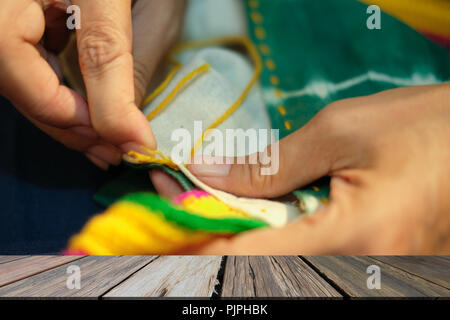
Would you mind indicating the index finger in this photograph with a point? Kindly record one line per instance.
(106, 61)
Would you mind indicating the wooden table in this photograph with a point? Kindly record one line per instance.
(215, 276)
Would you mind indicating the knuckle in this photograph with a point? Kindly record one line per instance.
(259, 184)
(99, 46)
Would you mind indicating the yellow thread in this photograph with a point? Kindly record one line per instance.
(274, 80)
(264, 49)
(258, 69)
(152, 156)
(260, 33)
(203, 68)
(163, 85)
(270, 64)
(281, 110)
(193, 45)
(316, 189)
(257, 17)
(254, 4)
(287, 124)
(278, 93)
(324, 201)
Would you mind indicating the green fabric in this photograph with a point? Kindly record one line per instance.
(327, 42)
(192, 221)
(134, 178)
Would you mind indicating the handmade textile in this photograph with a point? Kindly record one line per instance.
(430, 17)
(313, 58)
(144, 223)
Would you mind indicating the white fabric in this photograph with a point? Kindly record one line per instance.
(207, 97)
(210, 94)
(214, 18)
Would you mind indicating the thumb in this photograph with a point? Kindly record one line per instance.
(296, 160)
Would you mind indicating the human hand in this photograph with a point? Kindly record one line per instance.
(388, 158)
(115, 71)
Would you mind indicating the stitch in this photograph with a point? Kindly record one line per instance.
(203, 68)
(274, 80)
(264, 49)
(278, 93)
(164, 84)
(193, 45)
(324, 200)
(260, 33)
(287, 124)
(153, 156)
(270, 64)
(282, 110)
(257, 17)
(316, 189)
(254, 4)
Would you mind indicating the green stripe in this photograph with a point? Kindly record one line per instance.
(190, 220)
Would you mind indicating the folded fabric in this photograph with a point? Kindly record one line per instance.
(334, 56)
(144, 223)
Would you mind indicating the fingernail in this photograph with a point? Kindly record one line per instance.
(105, 153)
(210, 170)
(98, 162)
(84, 131)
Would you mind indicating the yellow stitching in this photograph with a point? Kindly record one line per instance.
(287, 124)
(153, 156)
(258, 69)
(253, 4)
(257, 17)
(203, 68)
(141, 158)
(270, 64)
(278, 93)
(163, 85)
(264, 49)
(282, 110)
(274, 80)
(260, 33)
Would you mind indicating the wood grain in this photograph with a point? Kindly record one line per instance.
(26, 267)
(97, 274)
(4, 259)
(273, 276)
(433, 269)
(172, 276)
(349, 273)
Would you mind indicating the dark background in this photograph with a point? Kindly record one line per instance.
(45, 189)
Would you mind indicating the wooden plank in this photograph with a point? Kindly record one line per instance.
(97, 276)
(5, 259)
(350, 274)
(172, 276)
(19, 269)
(433, 269)
(273, 276)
